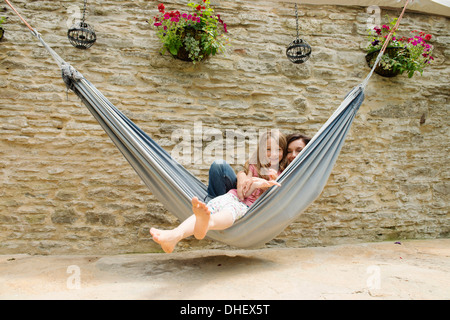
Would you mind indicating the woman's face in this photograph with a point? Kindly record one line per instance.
(294, 148)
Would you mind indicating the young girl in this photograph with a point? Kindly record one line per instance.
(221, 212)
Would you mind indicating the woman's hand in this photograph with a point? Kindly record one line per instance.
(259, 183)
(246, 184)
(273, 174)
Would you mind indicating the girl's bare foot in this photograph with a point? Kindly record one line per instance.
(202, 216)
(168, 239)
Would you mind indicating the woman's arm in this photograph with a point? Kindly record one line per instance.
(244, 181)
(259, 183)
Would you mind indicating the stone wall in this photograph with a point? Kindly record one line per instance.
(65, 188)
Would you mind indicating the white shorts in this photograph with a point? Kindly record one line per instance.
(228, 202)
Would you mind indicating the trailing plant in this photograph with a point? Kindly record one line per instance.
(416, 53)
(195, 34)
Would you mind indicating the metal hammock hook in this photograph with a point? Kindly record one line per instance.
(81, 35)
(298, 50)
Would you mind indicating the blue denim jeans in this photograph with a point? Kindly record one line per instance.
(221, 179)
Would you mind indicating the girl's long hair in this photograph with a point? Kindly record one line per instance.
(259, 157)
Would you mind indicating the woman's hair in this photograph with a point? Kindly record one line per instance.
(258, 158)
(296, 136)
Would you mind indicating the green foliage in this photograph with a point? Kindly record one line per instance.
(416, 53)
(200, 32)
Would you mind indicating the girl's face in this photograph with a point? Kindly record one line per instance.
(294, 148)
(274, 152)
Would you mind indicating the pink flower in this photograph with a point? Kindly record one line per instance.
(385, 27)
(157, 24)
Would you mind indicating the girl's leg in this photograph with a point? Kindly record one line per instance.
(198, 225)
(168, 239)
(204, 221)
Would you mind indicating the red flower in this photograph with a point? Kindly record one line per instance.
(428, 37)
(199, 7)
(161, 7)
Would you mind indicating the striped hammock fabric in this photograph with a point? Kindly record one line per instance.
(174, 186)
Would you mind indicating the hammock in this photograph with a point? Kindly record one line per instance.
(174, 186)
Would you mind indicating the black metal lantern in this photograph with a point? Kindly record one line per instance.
(81, 35)
(298, 50)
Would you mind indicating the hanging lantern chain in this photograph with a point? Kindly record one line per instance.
(296, 20)
(84, 10)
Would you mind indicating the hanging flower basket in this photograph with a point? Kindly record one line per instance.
(383, 69)
(405, 54)
(191, 36)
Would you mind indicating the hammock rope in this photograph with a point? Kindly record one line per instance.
(174, 186)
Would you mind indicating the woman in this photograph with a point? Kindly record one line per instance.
(222, 177)
(295, 144)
